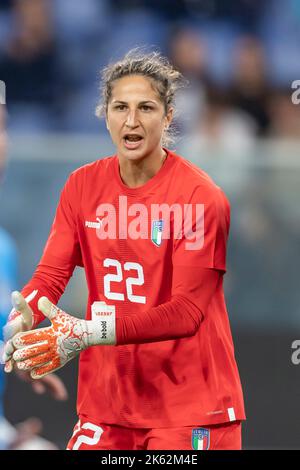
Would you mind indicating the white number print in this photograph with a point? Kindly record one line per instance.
(108, 278)
(91, 441)
(135, 281)
(118, 277)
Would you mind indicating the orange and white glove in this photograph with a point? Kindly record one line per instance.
(19, 319)
(45, 350)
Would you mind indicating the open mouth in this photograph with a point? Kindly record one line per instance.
(132, 141)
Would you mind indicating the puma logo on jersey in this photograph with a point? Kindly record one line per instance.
(96, 225)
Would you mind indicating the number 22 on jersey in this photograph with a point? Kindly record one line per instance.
(118, 276)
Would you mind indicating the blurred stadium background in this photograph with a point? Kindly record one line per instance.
(236, 120)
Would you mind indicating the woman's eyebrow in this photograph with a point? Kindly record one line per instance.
(141, 102)
(119, 101)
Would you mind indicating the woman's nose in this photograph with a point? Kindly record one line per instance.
(131, 119)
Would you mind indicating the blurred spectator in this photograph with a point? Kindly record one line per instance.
(285, 116)
(250, 90)
(244, 13)
(187, 52)
(27, 62)
(222, 127)
(222, 143)
(51, 51)
(3, 141)
(178, 9)
(280, 32)
(83, 34)
(25, 434)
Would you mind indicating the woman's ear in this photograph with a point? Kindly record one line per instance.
(169, 117)
(106, 119)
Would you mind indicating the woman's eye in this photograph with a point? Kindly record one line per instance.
(120, 107)
(146, 108)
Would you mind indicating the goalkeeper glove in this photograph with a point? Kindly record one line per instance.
(20, 319)
(45, 350)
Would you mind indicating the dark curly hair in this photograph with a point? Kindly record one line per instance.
(152, 65)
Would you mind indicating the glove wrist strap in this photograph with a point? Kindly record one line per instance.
(102, 327)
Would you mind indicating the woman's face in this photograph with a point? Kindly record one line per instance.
(136, 117)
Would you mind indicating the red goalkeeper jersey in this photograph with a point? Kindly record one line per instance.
(158, 254)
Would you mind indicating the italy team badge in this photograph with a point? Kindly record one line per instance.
(200, 439)
(156, 232)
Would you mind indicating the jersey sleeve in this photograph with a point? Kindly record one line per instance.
(61, 254)
(179, 318)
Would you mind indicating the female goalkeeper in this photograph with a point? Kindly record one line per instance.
(157, 366)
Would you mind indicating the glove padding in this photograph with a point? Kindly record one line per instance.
(45, 350)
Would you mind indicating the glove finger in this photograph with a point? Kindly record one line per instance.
(7, 358)
(20, 304)
(37, 361)
(30, 351)
(46, 369)
(13, 327)
(8, 351)
(48, 308)
(9, 365)
(30, 337)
